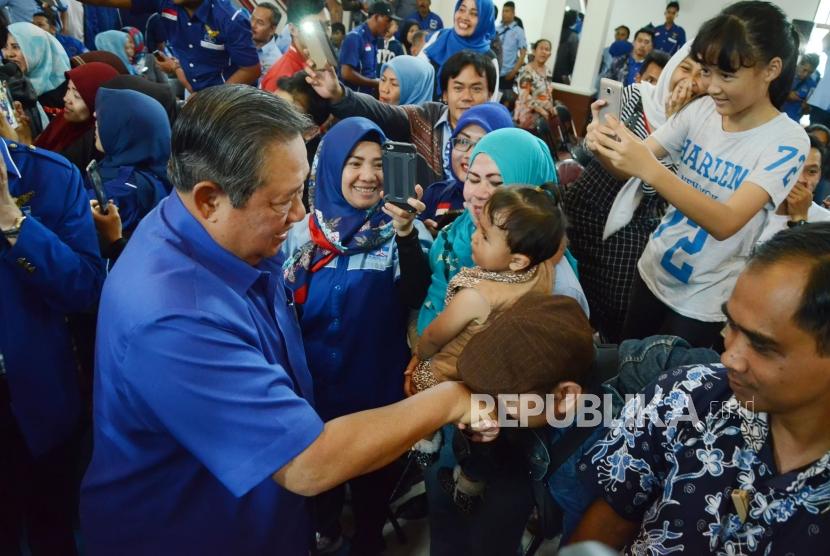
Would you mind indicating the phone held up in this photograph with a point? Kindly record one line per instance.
(399, 171)
(317, 42)
(97, 186)
(611, 92)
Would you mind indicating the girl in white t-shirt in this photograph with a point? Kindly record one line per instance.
(737, 156)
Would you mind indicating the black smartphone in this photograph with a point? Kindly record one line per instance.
(159, 55)
(399, 168)
(97, 186)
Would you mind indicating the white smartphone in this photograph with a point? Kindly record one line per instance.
(611, 92)
(317, 42)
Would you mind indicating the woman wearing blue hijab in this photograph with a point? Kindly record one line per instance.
(348, 263)
(133, 132)
(502, 158)
(444, 198)
(474, 26)
(406, 80)
(116, 42)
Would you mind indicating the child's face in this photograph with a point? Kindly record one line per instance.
(736, 92)
(490, 249)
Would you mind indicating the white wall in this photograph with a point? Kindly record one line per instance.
(633, 13)
(639, 13)
(543, 19)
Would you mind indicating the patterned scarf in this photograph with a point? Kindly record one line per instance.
(336, 227)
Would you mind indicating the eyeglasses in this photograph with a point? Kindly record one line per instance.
(462, 144)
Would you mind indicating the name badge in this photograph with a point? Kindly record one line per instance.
(211, 45)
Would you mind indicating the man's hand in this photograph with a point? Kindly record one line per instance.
(9, 212)
(798, 202)
(324, 82)
(402, 220)
(167, 64)
(108, 225)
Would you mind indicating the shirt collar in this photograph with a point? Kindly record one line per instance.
(203, 11)
(11, 167)
(443, 120)
(232, 270)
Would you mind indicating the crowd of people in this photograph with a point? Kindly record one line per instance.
(220, 334)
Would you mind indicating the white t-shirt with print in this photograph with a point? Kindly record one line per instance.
(686, 268)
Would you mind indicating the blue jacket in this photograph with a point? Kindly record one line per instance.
(53, 269)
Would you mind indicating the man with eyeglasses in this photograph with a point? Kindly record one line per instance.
(467, 79)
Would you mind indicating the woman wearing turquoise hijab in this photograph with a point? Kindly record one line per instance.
(118, 43)
(42, 60)
(503, 157)
(406, 80)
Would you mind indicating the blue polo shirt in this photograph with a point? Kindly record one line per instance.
(202, 392)
(432, 22)
(669, 40)
(211, 45)
(359, 50)
(53, 269)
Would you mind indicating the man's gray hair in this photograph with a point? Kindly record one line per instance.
(223, 136)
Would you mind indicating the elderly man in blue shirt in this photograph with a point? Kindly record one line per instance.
(49, 267)
(205, 436)
(513, 46)
(211, 39)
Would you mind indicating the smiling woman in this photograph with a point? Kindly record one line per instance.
(72, 134)
(350, 263)
(474, 26)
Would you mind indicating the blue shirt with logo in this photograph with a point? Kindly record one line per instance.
(211, 45)
(53, 269)
(359, 50)
(669, 40)
(432, 22)
(202, 392)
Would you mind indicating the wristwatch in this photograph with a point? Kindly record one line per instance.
(795, 223)
(14, 231)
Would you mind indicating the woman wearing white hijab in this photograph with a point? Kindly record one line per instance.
(611, 220)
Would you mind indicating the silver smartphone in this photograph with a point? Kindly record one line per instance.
(317, 42)
(611, 92)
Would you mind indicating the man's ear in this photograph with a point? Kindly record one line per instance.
(207, 199)
(565, 395)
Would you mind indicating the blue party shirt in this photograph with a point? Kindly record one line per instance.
(202, 393)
